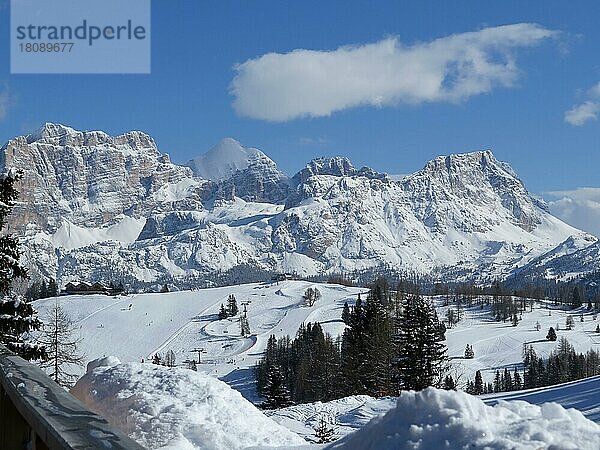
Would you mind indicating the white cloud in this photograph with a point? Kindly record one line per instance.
(578, 115)
(310, 83)
(579, 207)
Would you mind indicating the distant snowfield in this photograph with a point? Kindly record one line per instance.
(187, 320)
(70, 236)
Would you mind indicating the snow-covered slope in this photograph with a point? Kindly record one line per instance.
(581, 395)
(177, 409)
(86, 195)
(182, 321)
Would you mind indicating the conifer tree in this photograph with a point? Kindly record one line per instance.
(570, 323)
(507, 381)
(449, 383)
(232, 307)
(421, 353)
(497, 382)
(469, 354)
(244, 326)
(222, 312)
(17, 318)
(478, 385)
(517, 383)
(277, 394)
(324, 433)
(551, 336)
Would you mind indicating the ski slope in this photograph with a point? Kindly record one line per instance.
(135, 327)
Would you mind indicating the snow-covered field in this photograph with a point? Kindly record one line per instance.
(180, 409)
(177, 409)
(498, 345)
(351, 413)
(135, 327)
(437, 419)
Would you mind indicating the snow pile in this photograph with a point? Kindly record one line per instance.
(176, 408)
(436, 419)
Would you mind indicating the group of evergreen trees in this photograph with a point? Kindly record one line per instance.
(392, 341)
(503, 382)
(41, 289)
(305, 369)
(563, 364)
(167, 360)
(231, 310)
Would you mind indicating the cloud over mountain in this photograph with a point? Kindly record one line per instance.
(315, 83)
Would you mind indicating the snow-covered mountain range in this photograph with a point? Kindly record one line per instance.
(97, 207)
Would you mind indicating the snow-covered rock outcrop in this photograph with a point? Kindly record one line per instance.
(174, 408)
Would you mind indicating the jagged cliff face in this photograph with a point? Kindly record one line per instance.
(90, 178)
(107, 208)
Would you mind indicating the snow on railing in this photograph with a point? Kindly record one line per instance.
(37, 413)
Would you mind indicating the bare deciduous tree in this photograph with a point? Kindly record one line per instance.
(58, 336)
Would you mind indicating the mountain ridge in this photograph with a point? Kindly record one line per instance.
(463, 213)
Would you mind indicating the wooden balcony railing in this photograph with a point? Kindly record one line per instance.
(37, 414)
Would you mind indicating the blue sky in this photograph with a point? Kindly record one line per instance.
(517, 109)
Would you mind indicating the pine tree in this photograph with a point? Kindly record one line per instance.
(53, 290)
(469, 354)
(551, 336)
(570, 323)
(324, 433)
(156, 359)
(346, 314)
(497, 382)
(232, 307)
(277, 394)
(170, 359)
(517, 383)
(507, 381)
(478, 385)
(58, 337)
(17, 318)
(421, 353)
(222, 312)
(449, 383)
(575, 298)
(244, 326)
